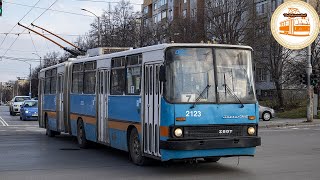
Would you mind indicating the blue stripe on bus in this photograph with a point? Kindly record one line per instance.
(180, 154)
(49, 102)
(204, 114)
(52, 122)
(125, 108)
(83, 104)
(118, 139)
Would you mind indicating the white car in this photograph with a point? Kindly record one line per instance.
(15, 103)
(266, 113)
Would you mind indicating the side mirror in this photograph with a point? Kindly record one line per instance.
(162, 74)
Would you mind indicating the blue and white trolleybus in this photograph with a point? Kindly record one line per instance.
(166, 102)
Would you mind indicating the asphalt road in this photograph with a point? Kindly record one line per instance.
(26, 153)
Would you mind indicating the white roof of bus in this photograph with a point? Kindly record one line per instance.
(145, 49)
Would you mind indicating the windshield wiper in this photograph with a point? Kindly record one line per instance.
(233, 94)
(200, 96)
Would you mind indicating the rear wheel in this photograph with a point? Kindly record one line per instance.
(81, 135)
(135, 149)
(212, 159)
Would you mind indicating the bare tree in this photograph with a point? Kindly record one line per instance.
(226, 21)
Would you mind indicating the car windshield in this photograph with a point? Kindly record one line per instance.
(30, 104)
(190, 74)
(21, 99)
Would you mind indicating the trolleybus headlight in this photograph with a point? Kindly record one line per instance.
(251, 130)
(178, 132)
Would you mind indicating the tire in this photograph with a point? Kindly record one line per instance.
(135, 149)
(49, 132)
(21, 118)
(266, 116)
(212, 159)
(81, 135)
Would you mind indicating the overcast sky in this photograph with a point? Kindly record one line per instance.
(66, 24)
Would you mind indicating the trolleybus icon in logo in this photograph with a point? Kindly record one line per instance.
(295, 24)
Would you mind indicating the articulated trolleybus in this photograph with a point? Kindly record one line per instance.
(166, 102)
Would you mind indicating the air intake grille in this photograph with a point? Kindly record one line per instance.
(202, 132)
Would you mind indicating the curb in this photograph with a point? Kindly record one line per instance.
(288, 124)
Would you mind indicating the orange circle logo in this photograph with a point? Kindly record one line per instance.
(295, 24)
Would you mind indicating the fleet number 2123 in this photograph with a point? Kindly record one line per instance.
(193, 113)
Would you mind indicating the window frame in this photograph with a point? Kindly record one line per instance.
(116, 67)
(87, 71)
(78, 72)
(129, 65)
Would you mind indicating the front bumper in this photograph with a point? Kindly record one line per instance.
(16, 110)
(213, 143)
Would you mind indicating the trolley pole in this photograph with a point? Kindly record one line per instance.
(309, 88)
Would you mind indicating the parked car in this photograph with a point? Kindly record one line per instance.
(29, 110)
(14, 105)
(266, 113)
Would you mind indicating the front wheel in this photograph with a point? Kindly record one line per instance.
(135, 149)
(266, 116)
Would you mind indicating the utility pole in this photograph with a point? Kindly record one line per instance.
(39, 58)
(309, 88)
(30, 82)
(1, 92)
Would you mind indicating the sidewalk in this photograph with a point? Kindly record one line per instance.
(281, 122)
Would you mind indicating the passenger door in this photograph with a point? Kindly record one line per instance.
(103, 84)
(151, 120)
(59, 111)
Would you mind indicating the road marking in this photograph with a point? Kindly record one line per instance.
(4, 123)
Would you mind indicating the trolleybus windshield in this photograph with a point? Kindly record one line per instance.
(189, 71)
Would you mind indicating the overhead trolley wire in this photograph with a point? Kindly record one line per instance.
(37, 7)
(29, 25)
(101, 1)
(19, 21)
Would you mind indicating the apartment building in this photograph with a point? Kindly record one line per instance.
(156, 11)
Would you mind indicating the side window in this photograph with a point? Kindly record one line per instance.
(117, 76)
(47, 82)
(133, 80)
(77, 78)
(53, 82)
(89, 77)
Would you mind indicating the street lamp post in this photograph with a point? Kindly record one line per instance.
(30, 77)
(99, 33)
(39, 58)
